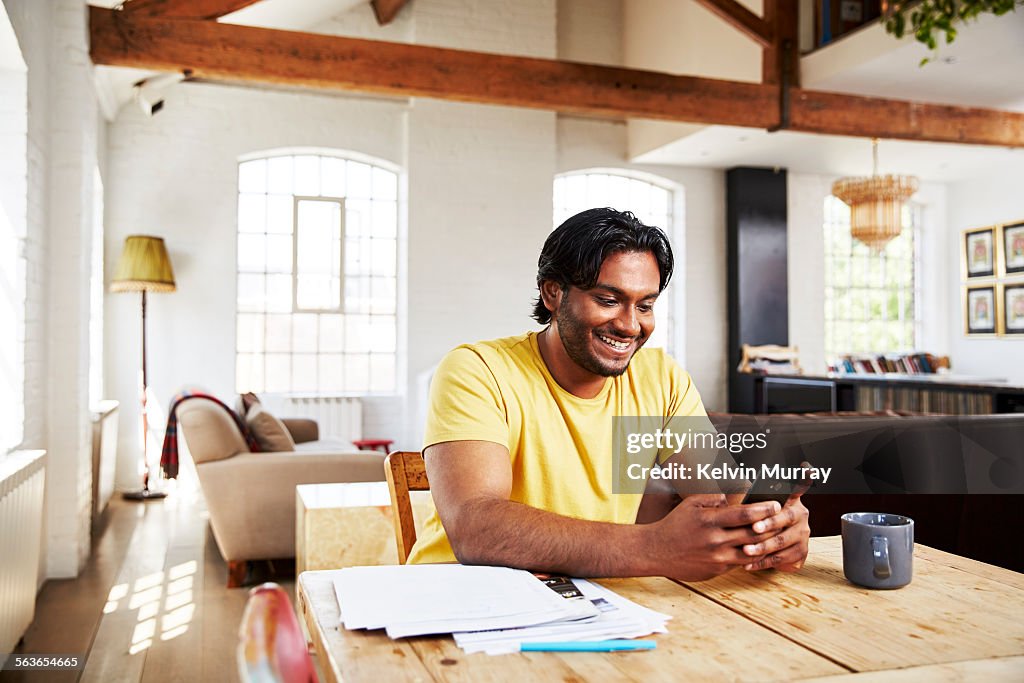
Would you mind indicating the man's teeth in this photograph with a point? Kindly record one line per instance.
(613, 343)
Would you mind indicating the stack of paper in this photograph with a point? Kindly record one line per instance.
(617, 618)
(489, 609)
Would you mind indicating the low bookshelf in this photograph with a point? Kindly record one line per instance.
(946, 394)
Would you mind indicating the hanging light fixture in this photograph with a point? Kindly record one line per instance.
(876, 203)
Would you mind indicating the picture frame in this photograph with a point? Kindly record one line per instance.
(1012, 248)
(979, 252)
(980, 314)
(1011, 320)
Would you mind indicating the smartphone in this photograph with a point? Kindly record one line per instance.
(763, 490)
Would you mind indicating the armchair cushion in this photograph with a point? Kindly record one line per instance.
(269, 431)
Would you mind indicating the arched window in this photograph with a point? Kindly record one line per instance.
(871, 300)
(653, 200)
(317, 274)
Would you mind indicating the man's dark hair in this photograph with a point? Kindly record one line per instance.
(573, 253)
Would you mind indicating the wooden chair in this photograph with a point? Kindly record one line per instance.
(405, 472)
(271, 646)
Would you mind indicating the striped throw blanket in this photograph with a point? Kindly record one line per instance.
(169, 456)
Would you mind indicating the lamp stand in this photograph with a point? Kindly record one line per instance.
(145, 493)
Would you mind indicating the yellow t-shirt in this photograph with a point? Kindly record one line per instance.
(560, 445)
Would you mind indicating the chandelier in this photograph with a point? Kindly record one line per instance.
(876, 203)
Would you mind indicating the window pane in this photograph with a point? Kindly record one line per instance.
(278, 372)
(279, 293)
(252, 176)
(307, 175)
(304, 333)
(251, 213)
(279, 175)
(383, 257)
(318, 262)
(332, 177)
(252, 253)
(250, 332)
(304, 373)
(385, 219)
(357, 333)
(357, 218)
(251, 292)
(385, 184)
(357, 295)
(382, 298)
(331, 372)
(382, 333)
(332, 333)
(358, 180)
(280, 214)
(249, 372)
(279, 333)
(279, 253)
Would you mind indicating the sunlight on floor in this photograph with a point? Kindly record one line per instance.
(178, 607)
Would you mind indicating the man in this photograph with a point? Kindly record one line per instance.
(519, 431)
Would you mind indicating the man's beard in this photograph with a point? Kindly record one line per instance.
(576, 338)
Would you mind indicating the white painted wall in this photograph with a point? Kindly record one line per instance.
(977, 203)
(62, 151)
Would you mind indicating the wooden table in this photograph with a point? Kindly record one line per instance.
(348, 524)
(958, 620)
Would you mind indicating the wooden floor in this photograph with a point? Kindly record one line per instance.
(151, 604)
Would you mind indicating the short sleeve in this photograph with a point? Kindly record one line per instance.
(685, 409)
(465, 402)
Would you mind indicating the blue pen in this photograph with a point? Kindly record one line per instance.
(591, 646)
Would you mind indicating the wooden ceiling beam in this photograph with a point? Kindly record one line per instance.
(385, 10)
(738, 16)
(245, 54)
(248, 55)
(186, 9)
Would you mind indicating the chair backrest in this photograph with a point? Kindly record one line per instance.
(405, 472)
(271, 646)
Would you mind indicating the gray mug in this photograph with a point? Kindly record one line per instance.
(878, 549)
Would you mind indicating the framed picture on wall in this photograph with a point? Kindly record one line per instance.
(1013, 308)
(979, 255)
(1013, 248)
(980, 310)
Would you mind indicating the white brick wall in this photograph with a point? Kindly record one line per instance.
(61, 154)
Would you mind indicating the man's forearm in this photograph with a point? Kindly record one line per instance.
(500, 532)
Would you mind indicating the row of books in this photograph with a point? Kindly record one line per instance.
(946, 402)
(904, 363)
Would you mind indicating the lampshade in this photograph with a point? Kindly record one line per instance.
(876, 204)
(143, 266)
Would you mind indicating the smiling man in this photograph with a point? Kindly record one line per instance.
(518, 444)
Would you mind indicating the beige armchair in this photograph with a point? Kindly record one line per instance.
(251, 496)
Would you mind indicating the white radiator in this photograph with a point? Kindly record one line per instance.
(339, 417)
(21, 526)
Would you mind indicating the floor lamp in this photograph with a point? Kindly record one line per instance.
(143, 267)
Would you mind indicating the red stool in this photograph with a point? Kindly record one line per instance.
(374, 444)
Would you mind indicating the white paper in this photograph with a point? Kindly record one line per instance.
(411, 600)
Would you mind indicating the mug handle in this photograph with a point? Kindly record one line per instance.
(880, 553)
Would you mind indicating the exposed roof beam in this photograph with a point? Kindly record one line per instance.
(385, 10)
(242, 54)
(186, 9)
(748, 23)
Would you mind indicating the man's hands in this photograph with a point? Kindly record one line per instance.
(786, 547)
(704, 536)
